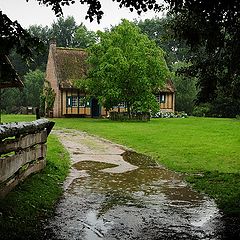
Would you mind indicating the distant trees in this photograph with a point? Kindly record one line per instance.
(186, 94)
(158, 29)
(67, 34)
(126, 67)
(13, 36)
(32, 91)
(13, 99)
(84, 38)
(63, 30)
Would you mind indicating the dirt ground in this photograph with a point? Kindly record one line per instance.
(115, 193)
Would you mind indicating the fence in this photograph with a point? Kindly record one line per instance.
(22, 151)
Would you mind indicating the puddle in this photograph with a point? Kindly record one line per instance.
(144, 202)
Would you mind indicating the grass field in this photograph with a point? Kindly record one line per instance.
(208, 146)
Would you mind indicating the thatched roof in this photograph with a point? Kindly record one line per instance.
(8, 76)
(169, 87)
(70, 66)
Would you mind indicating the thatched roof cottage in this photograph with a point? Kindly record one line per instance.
(66, 65)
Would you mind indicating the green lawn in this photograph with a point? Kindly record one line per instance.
(185, 145)
(209, 146)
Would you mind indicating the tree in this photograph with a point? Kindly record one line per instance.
(11, 100)
(64, 31)
(211, 28)
(158, 29)
(186, 93)
(32, 91)
(126, 67)
(84, 38)
(12, 35)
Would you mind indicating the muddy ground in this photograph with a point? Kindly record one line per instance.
(114, 193)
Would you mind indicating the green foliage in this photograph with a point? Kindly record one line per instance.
(158, 29)
(33, 87)
(64, 31)
(47, 99)
(13, 36)
(82, 85)
(84, 38)
(11, 100)
(186, 93)
(224, 105)
(211, 28)
(35, 198)
(202, 110)
(126, 67)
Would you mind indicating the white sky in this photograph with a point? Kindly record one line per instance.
(31, 13)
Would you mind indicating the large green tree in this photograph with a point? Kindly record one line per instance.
(126, 66)
(212, 29)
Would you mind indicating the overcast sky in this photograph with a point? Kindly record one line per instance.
(31, 13)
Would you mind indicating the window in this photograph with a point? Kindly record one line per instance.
(122, 105)
(69, 101)
(81, 101)
(161, 98)
(74, 101)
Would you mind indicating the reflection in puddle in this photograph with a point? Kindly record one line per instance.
(95, 227)
(149, 202)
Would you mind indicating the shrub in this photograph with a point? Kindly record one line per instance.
(123, 116)
(203, 110)
(162, 114)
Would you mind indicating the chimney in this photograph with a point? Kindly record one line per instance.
(52, 43)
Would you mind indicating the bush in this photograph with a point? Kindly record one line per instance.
(162, 114)
(202, 110)
(123, 116)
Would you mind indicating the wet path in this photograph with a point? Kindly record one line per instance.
(112, 193)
